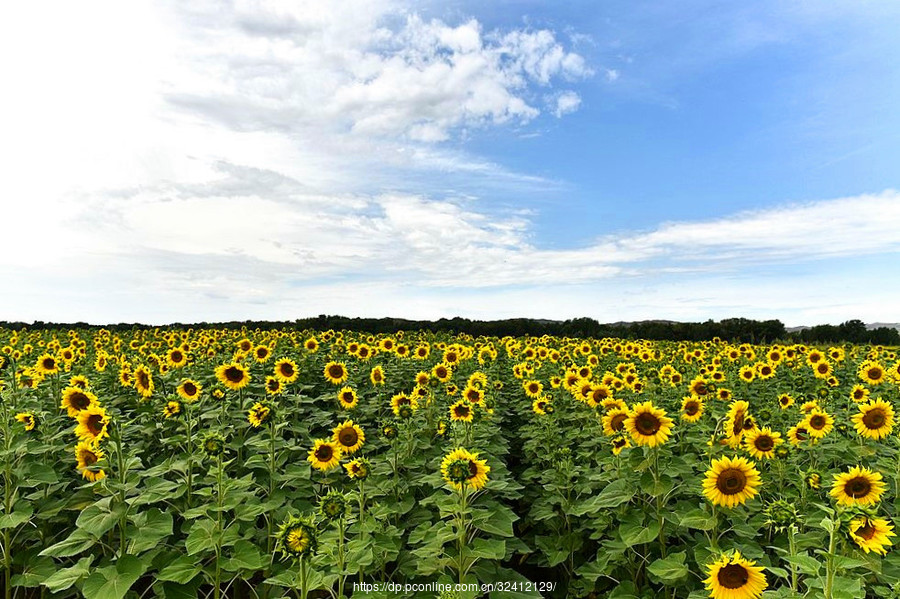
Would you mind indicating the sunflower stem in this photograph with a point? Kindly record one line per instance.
(461, 533)
(123, 475)
(792, 548)
(829, 562)
(303, 573)
(362, 512)
(341, 576)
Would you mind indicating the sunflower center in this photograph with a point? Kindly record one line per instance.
(738, 423)
(89, 458)
(80, 401)
(347, 397)
(874, 419)
(143, 379)
(190, 389)
(817, 422)
(176, 356)
(95, 424)
(764, 443)
(462, 411)
(874, 373)
(336, 371)
(691, 408)
(617, 421)
(731, 482)
(234, 374)
(867, 531)
(287, 370)
(324, 453)
(473, 469)
(647, 424)
(858, 487)
(801, 434)
(733, 576)
(348, 437)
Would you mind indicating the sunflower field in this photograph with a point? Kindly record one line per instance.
(183, 462)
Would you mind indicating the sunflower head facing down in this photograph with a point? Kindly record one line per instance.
(731, 481)
(734, 577)
(349, 437)
(462, 468)
(871, 534)
(648, 425)
(324, 455)
(858, 487)
(172, 409)
(27, 419)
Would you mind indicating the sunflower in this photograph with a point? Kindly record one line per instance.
(872, 372)
(348, 437)
(735, 421)
(27, 419)
(533, 389)
(462, 411)
(875, 419)
(233, 375)
(274, 386)
(822, 369)
(79, 381)
(357, 469)
(819, 423)
(259, 414)
(262, 353)
(400, 400)
(798, 434)
(324, 455)
(176, 358)
(93, 423)
(333, 505)
(620, 443)
(731, 481)
(761, 443)
(747, 374)
(461, 467)
(734, 577)
(88, 455)
(540, 406)
(648, 425)
(859, 393)
(347, 398)
(377, 376)
(785, 400)
(189, 390)
(871, 534)
(286, 370)
(76, 399)
(173, 408)
(859, 486)
(691, 409)
(336, 373)
(724, 394)
(296, 537)
(614, 421)
(442, 372)
(47, 365)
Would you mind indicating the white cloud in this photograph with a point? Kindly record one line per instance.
(567, 102)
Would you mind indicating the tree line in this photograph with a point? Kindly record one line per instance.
(739, 330)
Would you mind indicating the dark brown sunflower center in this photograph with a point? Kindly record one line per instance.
(738, 423)
(733, 576)
(731, 481)
(874, 418)
(95, 424)
(867, 531)
(785, 401)
(874, 373)
(618, 421)
(700, 389)
(858, 394)
(274, 384)
(532, 388)
(473, 395)
(324, 453)
(49, 363)
(287, 370)
(801, 434)
(176, 356)
(348, 437)
(336, 371)
(89, 458)
(691, 408)
(817, 422)
(647, 424)
(823, 368)
(441, 372)
(262, 352)
(79, 401)
(473, 469)
(234, 374)
(347, 397)
(143, 379)
(858, 487)
(462, 411)
(190, 389)
(764, 443)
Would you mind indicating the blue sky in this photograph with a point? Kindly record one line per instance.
(618, 160)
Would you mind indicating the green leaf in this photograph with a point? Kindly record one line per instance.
(698, 519)
(807, 564)
(635, 534)
(152, 526)
(489, 549)
(203, 536)
(497, 520)
(20, 515)
(614, 494)
(182, 570)
(63, 579)
(100, 517)
(669, 570)
(246, 556)
(74, 544)
(113, 582)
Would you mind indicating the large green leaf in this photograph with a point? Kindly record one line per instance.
(669, 570)
(74, 544)
(182, 570)
(113, 582)
(63, 579)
